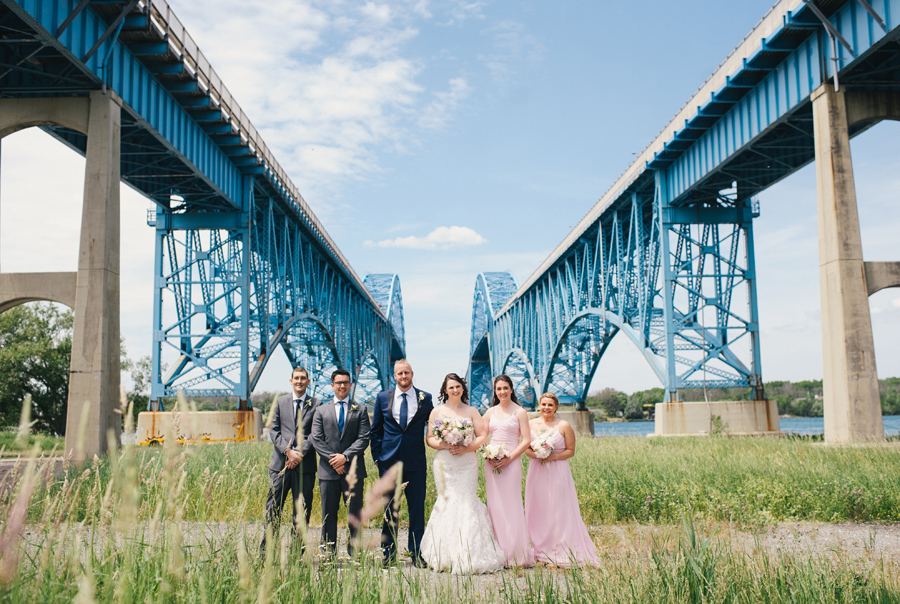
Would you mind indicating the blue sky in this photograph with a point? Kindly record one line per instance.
(507, 120)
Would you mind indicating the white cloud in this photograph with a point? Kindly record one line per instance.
(443, 238)
(463, 11)
(327, 84)
(436, 115)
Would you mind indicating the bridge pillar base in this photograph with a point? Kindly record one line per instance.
(728, 417)
(196, 426)
(852, 405)
(582, 421)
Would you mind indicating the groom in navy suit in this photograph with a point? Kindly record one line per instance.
(399, 418)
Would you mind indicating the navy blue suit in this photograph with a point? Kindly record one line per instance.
(391, 444)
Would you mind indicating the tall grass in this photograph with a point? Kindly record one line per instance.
(749, 481)
(743, 480)
(183, 523)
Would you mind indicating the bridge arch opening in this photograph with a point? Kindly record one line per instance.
(875, 155)
(622, 367)
(368, 380)
(519, 369)
(35, 347)
(41, 186)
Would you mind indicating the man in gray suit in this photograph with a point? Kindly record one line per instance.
(298, 462)
(340, 433)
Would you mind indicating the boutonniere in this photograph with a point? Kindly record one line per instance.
(307, 403)
(354, 407)
(421, 396)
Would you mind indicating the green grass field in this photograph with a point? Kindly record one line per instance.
(173, 523)
(9, 447)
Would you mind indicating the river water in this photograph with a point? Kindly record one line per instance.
(793, 425)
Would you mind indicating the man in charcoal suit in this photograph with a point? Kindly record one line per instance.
(399, 418)
(340, 433)
(298, 461)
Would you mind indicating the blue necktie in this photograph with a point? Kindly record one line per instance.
(341, 417)
(404, 411)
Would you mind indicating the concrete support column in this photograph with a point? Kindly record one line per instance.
(94, 370)
(852, 404)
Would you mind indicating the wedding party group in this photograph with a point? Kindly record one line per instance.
(321, 439)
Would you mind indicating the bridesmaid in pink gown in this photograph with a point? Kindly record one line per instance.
(508, 423)
(551, 503)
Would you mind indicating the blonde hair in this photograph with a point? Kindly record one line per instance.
(551, 396)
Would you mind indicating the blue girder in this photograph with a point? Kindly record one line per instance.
(242, 264)
(666, 256)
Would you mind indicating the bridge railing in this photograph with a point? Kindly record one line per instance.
(164, 19)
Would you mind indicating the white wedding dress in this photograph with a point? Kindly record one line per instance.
(459, 537)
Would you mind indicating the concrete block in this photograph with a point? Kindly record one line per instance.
(582, 421)
(197, 426)
(735, 417)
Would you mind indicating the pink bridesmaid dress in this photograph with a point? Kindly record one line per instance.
(504, 497)
(552, 513)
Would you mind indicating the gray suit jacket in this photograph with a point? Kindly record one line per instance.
(283, 432)
(328, 440)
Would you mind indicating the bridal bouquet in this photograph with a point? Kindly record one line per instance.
(494, 452)
(458, 431)
(543, 444)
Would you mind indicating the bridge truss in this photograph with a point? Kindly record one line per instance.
(666, 256)
(242, 265)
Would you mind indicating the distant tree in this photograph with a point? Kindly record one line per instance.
(35, 348)
(634, 409)
(611, 401)
(262, 400)
(139, 395)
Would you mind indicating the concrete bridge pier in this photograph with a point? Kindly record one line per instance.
(94, 291)
(852, 404)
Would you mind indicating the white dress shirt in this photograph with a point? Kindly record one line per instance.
(337, 410)
(412, 404)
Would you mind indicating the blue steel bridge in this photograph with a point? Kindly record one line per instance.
(242, 265)
(666, 256)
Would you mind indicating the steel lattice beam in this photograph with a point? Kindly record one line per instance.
(666, 256)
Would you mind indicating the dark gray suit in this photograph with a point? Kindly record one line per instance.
(283, 435)
(333, 487)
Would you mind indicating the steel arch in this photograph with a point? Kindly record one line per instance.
(492, 290)
(368, 380)
(519, 369)
(672, 287)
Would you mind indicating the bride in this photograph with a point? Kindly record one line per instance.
(458, 537)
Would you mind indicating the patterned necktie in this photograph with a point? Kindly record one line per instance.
(404, 411)
(340, 405)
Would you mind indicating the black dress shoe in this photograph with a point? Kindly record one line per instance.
(387, 561)
(419, 562)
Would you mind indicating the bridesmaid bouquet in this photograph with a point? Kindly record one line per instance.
(543, 444)
(494, 452)
(458, 431)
